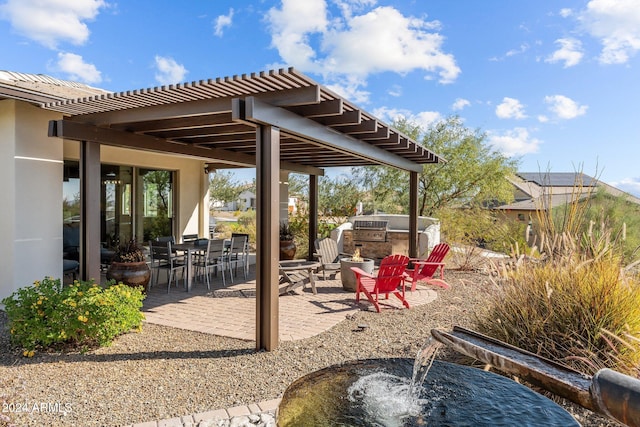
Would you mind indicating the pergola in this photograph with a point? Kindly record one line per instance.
(277, 120)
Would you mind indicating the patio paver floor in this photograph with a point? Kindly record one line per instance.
(230, 310)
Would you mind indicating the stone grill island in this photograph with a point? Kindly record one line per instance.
(377, 236)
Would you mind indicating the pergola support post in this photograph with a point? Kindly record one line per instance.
(413, 214)
(313, 214)
(89, 211)
(267, 223)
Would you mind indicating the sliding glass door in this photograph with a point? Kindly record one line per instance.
(134, 203)
(154, 206)
(116, 204)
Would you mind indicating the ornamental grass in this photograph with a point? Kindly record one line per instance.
(576, 303)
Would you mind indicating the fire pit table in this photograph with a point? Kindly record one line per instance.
(348, 277)
(297, 272)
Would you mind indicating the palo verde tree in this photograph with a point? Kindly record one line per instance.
(223, 187)
(472, 175)
(337, 196)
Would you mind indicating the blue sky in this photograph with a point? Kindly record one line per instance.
(554, 83)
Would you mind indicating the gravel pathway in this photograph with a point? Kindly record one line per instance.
(161, 372)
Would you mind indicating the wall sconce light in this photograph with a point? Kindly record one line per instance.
(206, 168)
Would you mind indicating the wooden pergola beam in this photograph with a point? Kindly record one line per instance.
(267, 226)
(258, 112)
(77, 131)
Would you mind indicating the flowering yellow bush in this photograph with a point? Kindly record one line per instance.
(84, 314)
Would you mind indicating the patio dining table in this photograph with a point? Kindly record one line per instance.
(191, 248)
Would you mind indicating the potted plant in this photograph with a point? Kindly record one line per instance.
(129, 266)
(287, 243)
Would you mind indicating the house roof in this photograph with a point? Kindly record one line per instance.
(552, 189)
(549, 201)
(216, 120)
(40, 88)
(558, 179)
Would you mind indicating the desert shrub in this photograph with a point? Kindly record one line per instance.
(299, 225)
(83, 314)
(471, 230)
(576, 303)
(586, 315)
(247, 224)
(223, 229)
(325, 228)
(476, 226)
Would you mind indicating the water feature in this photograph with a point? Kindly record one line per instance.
(389, 399)
(400, 392)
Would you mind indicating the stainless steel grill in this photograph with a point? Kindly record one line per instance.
(370, 231)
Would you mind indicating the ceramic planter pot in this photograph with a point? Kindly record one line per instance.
(287, 249)
(130, 273)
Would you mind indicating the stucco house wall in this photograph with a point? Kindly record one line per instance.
(31, 167)
(31, 218)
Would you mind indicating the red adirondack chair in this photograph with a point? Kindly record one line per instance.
(424, 270)
(389, 280)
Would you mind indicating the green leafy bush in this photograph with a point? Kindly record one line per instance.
(83, 314)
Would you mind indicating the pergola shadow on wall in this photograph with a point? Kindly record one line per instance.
(273, 121)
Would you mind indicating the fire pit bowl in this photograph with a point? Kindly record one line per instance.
(372, 392)
(348, 277)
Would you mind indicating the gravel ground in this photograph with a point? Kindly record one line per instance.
(162, 372)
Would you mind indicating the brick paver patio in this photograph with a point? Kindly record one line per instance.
(230, 311)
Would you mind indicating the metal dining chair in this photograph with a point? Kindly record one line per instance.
(212, 260)
(189, 238)
(238, 254)
(163, 258)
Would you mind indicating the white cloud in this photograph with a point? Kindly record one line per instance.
(351, 88)
(522, 49)
(395, 90)
(50, 22)
(570, 52)
(616, 24)
(77, 69)
(543, 119)
(630, 185)
(349, 7)
(460, 103)
(291, 27)
(565, 108)
(222, 22)
(514, 142)
(169, 71)
(510, 108)
(357, 43)
(566, 12)
(424, 119)
(385, 40)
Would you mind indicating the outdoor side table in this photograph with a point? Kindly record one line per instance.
(297, 272)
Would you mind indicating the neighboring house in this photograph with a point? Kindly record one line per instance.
(246, 201)
(534, 191)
